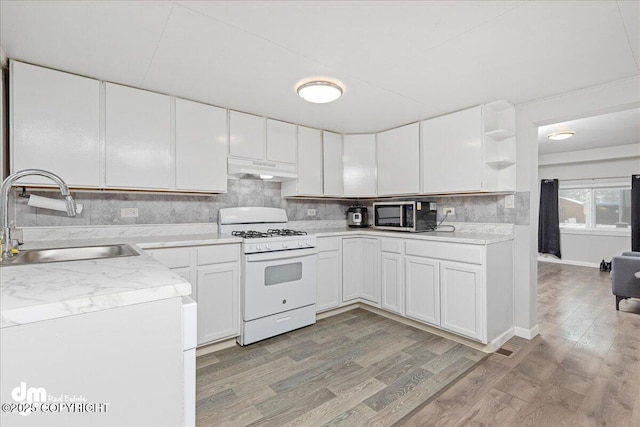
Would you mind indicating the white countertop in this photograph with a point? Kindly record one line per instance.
(37, 292)
(439, 236)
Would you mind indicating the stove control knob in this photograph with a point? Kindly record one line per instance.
(259, 247)
(267, 246)
(284, 245)
(307, 242)
(300, 243)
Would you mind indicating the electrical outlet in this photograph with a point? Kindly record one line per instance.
(448, 211)
(128, 212)
(311, 212)
(509, 201)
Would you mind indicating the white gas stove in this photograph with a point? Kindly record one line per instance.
(279, 270)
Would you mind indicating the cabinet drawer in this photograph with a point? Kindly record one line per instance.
(473, 254)
(172, 257)
(391, 245)
(328, 244)
(218, 254)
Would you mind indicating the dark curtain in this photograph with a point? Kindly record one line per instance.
(549, 222)
(635, 213)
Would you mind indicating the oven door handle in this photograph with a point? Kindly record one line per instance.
(292, 253)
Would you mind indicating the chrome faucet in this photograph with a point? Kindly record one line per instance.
(5, 189)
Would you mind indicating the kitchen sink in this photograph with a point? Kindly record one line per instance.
(38, 256)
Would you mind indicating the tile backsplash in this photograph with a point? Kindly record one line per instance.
(104, 208)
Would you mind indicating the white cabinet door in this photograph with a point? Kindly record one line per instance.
(138, 138)
(352, 268)
(201, 147)
(391, 285)
(422, 283)
(55, 121)
(359, 165)
(461, 301)
(360, 269)
(246, 135)
(329, 280)
(309, 161)
(452, 152)
(370, 282)
(218, 302)
(281, 141)
(332, 156)
(399, 160)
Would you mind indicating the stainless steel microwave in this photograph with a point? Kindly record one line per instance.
(405, 216)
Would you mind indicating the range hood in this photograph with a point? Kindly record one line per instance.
(237, 168)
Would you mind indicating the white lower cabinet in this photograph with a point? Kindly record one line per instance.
(422, 287)
(391, 276)
(360, 269)
(217, 296)
(329, 273)
(214, 274)
(461, 299)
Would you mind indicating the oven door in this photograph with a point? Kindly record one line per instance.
(279, 281)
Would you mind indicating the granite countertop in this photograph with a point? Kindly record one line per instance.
(439, 236)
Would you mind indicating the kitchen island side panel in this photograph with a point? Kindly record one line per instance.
(124, 365)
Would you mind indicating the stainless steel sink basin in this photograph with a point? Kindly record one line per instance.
(37, 256)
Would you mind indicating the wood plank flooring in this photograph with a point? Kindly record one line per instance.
(582, 370)
(359, 369)
(355, 368)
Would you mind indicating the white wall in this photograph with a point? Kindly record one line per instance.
(583, 103)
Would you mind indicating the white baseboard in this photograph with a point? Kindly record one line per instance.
(568, 262)
(216, 346)
(528, 334)
(499, 341)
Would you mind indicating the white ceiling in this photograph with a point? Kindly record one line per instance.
(399, 61)
(607, 130)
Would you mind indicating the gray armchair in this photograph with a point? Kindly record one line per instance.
(624, 281)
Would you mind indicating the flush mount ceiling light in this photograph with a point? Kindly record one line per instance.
(559, 136)
(319, 91)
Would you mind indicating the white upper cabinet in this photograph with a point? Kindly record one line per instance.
(309, 182)
(471, 150)
(138, 138)
(452, 152)
(201, 147)
(399, 160)
(359, 165)
(332, 166)
(55, 120)
(281, 141)
(246, 135)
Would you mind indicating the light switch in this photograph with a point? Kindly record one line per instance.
(509, 201)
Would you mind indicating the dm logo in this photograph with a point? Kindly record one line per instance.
(22, 394)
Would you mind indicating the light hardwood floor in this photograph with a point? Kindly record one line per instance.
(582, 370)
(354, 368)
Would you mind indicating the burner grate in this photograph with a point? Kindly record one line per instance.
(286, 232)
(251, 234)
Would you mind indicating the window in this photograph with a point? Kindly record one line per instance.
(595, 208)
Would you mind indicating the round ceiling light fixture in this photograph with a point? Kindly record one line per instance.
(319, 91)
(559, 136)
